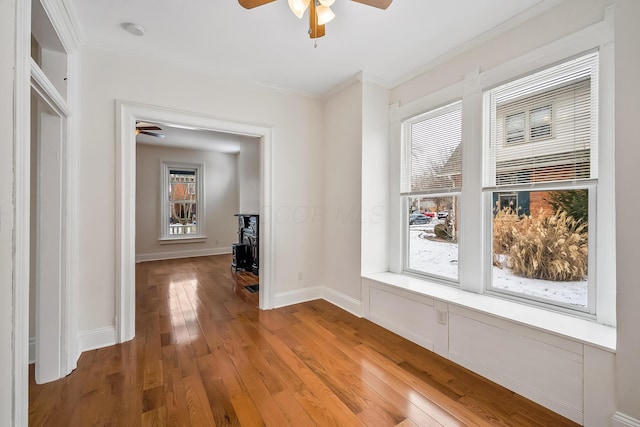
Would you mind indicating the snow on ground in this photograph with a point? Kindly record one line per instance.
(441, 258)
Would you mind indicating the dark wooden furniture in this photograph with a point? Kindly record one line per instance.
(246, 253)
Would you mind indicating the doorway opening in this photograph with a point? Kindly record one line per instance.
(128, 116)
(191, 185)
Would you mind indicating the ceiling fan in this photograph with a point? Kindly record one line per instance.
(145, 128)
(319, 11)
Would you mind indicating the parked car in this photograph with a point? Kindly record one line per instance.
(443, 214)
(419, 218)
(430, 214)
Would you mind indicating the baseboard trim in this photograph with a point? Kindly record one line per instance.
(297, 296)
(336, 298)
(343, 301)
(190, 253)
(97, 338)
(623, 420)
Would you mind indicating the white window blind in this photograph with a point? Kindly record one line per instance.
(543, 127)
(434, 152)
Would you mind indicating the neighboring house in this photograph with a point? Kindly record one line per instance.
(541, 136)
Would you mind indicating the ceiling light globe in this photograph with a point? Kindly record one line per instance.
(327, 3)
(325, 14)
(298, 7)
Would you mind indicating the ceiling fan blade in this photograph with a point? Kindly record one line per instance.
(380, 4)
(158, 135)
(250, 4)
(148, 128)
(315, 30)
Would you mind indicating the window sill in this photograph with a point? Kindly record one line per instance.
(190, 239)
(577, 329)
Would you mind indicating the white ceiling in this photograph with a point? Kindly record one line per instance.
(195, 139)
(269, 45)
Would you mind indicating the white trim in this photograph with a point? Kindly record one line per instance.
(22, 147)
(184, 239)
(297, 296)
(71, 237)
(97, 338)
(343, 301)
(557, 323)
(330, 295)
(622, 420)
(66, 21)
(125, 170)
(47, 91)
(66, 313)
(190, 253)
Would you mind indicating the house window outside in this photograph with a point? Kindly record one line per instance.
(431, 185)
(515, 125)
(508, 201)
(530, 125)
(182, 209)
(540, 122)
(543, 192)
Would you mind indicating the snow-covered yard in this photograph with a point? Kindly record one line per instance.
(441, 258)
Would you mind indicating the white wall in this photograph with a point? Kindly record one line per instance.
(375, 178)
(296, 180)
(342, 191)
(249, 176)
(627, 35)
(7, 52)
(567, 18)
(221, 201)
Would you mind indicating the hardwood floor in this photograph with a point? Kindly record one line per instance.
(204, 355)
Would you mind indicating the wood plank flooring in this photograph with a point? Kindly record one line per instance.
(204, 355)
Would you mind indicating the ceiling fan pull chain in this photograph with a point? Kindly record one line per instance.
(315, 22)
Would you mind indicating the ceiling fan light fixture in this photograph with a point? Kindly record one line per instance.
(325, 14)
(298, 7)
(327, 3)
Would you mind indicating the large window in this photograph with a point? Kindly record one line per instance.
(536, 201)
(431, 184)
(542, 190)
(182, 207)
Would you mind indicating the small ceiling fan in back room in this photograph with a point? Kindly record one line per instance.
(319, 11)
(146, 128)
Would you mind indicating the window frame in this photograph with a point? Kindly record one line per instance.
(165, 236)
(474, 234)
(443, 108)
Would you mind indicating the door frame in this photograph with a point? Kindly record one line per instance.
(56, 316)
(127, 113)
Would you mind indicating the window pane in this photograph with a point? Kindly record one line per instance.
(182, 202)
(435, 150)
(182, 218)
(553, 113)
(540, 245)
(433, 236)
